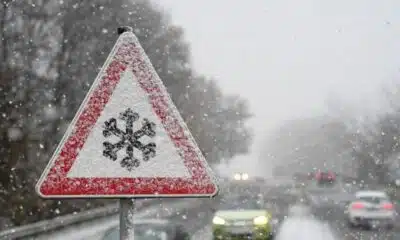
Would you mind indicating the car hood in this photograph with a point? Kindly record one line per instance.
(241, 214)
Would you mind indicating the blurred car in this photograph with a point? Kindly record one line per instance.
(151, 229)
(243, 218)
(371, 209)
(325, 177)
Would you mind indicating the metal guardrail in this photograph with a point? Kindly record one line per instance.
(67, 220)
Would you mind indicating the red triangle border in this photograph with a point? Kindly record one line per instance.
(127, 55)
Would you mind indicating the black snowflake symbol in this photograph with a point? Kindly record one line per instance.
(129, 139)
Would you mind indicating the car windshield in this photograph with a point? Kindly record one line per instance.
(373, 199)
(241, 204)
(141, 232)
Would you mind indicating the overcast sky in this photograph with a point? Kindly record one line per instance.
(287, 56)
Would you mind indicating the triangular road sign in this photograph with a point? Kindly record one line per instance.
(127, 138)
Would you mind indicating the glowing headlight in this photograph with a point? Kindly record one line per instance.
(245, 176)
(218, 221)
(237, 176)
(261, 220)
(397, 182)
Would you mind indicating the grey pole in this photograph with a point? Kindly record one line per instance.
(126, 211)
(126, 206)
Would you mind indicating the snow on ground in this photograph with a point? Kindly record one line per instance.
(299, 210)
(300, 225)
(304, 228)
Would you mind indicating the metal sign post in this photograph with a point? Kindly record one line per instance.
(126, 211)
(126, 205)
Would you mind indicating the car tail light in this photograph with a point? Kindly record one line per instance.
(387, 206)
(357, 205)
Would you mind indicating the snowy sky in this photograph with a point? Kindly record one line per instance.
(287, 56)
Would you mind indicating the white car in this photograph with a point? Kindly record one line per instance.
(371, 209)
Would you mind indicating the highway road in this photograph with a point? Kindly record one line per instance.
(319, 217)
(328, 205)
(297, 221)
(196, 215)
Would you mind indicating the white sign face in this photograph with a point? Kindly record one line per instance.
(127, 139)
(91, 162)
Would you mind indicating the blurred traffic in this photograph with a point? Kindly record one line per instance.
(325, 206)
(321, 207)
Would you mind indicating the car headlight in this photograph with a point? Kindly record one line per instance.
(237, 176)
(218, 221)
(397, 182)
(245, 176)
(261, 220)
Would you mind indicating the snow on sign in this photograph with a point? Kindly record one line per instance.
(127, 139)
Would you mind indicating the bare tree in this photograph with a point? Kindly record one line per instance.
(52, 51)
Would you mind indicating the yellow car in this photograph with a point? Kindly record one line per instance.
(242, 219)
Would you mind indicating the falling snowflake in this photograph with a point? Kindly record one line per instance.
(129, 139)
